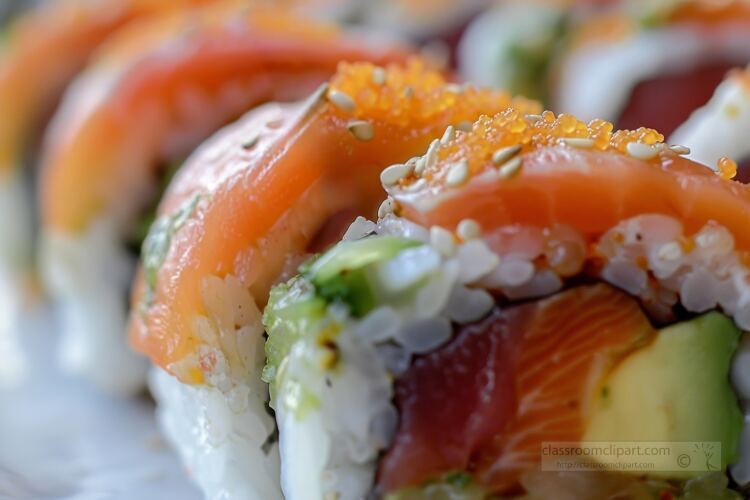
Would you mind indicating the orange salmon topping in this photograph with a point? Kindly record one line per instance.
(414, 95)
(496, 143)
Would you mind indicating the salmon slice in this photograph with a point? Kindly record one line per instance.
(257, 207)
(160, 89)
(44, 49)
(569, 172)
(522, 376)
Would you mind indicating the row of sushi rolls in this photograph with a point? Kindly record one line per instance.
(391, 248)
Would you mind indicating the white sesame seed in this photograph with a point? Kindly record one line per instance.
(378, 76)
(251, 141)
(415, 186)
(464, 125)
(641, 150)
(431, 155)
(341, 100)
(680, 150)
(387, 207)
(419, 167)
(361, 129)
(442, 240)
(533, 117)
(409, 91)
(391, 175)
(454, 88)
(504, 154)
(468, 229)
(579, 142)
(511, 168)
(670, 251)
(458, 174)
(447, 135)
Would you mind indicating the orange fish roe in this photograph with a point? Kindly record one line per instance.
(501, 140)
(727, 167)
(415, 95)
(687, 244)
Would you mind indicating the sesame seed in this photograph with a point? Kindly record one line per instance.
(341, 100)
(251, 142)
(415, 186)
(391, 175)
(465, 126)
(378, 76)
(670, 251)
(641, 150)
(419, 167)
(408, 91)
(361, 129)
(502, 155)
(431, 155)
(442, 240)
(468, 229)
(447, 135)
(454, 88)
(387, 207)
(680, 150)
(511, 168)
(458, 174)
(534, 118)
(579, 142)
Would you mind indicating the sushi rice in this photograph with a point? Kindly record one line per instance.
(345, 416)
(224, 432)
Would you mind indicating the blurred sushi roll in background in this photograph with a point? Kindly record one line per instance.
(520, 289)
(514, 44)
(247, 208)
(716, 134)
(40, 52)
(153, 93)
(651, 63)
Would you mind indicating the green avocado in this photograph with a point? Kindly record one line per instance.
(341, 272)
(676, 389)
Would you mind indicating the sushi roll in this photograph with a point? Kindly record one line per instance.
(40, 52)
(154, 92)
(651, 63)
(515, 44)
(42, 46)
(422, 20)
(541, 280)
(726, 115)
(246, 209)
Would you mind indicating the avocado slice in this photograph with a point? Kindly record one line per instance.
(676, 389)
(340, 273)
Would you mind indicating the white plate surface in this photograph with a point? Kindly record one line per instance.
(61, 439)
